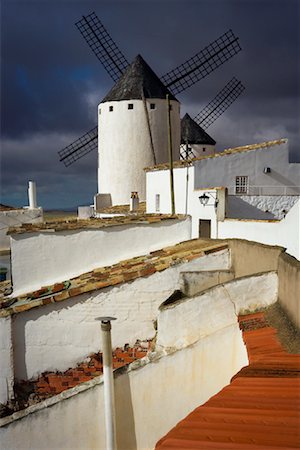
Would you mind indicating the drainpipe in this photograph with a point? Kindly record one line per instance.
(109, 396)
(32, 195)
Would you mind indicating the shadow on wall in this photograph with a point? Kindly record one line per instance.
(237, 208)
(125, 424)
(291, 188)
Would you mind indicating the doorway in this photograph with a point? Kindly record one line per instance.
(204, 228)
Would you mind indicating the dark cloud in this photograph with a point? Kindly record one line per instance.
(52, 82)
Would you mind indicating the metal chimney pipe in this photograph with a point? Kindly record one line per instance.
(32, 195)
(109, 396)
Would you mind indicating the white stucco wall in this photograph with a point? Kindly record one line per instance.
(125, 147)
(15, 218)
(149, 400)
(186, 321)
(6, 360)
(259, 206)
(284, 178)
(41, 259)
(58, 336)
(285, 233)
(186, 197)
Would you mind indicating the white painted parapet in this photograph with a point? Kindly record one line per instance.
(183, 322)
(51, 257)
(285, 232)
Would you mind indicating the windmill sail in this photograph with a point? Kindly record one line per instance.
(102, 45)
(220, 103)
(83, 145)
(203, 63)
(177, 80)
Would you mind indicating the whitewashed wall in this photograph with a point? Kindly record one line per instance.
(6, 360)
(186, 321)
(186, 198)
(125, 146)
(284, 178)
(160, 393)
(15, 218)
(259, 206)
(51, 257)
(58, 336)
(285, 233)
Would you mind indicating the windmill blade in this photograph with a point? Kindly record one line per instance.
(102, 45)
(220, 103)
(203, 63)
(79, 148)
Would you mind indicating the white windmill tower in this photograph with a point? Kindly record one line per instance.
(133, 131)
(132, 120)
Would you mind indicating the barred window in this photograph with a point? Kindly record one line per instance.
(241, 184)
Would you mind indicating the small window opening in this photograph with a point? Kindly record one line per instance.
(99, 111)
(204, 149)
(241, 184)
(157, 202)
(171, 107)
(152, 105)
(130, 105)
(111, 108)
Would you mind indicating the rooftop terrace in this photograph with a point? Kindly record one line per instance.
(258, 410)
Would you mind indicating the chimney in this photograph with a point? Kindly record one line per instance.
(134, 202)
(32, 195)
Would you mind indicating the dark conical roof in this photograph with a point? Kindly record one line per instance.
(192, 133)
(138, 78)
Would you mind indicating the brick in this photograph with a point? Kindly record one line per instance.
(63, 296)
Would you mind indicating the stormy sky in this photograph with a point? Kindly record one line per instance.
(51, 82)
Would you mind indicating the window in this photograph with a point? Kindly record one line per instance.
(111, 108)
(157, 202)
(152, 105)
(130, 105)
(241, 184)
(203, 149)
(99, 111)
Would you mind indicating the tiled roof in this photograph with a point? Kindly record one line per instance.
(122, 209)
(76, 224)
(7, 207)
(226, 152)
(258, 410)
(103, 277)
(49, 384)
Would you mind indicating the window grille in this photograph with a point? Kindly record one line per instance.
(130, 105)
(241, 185)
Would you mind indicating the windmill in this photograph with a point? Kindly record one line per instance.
(173, 83)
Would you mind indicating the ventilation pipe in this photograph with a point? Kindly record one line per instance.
(134, 201)
(32, 195)
(108, 378)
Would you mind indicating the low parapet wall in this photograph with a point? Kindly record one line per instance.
(53, 255)
(289, 286)
(149, 401)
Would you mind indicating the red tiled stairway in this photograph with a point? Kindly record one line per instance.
(259, 410)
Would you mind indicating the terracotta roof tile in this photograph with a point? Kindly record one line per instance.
(228, 151)
(122, 209)
(103, 277)
(259, 409)
(93, 223)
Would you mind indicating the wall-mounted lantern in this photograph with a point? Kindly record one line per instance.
(267, 169)
(204, 199)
